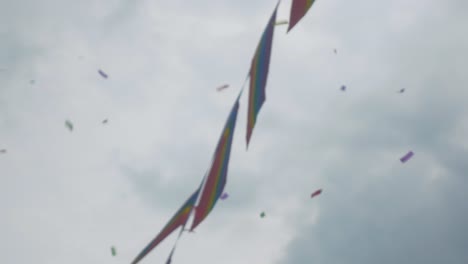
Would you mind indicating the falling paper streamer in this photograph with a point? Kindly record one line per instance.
(224, 196)
(114, 252)
(407, 157)
(281, 22)
(334, 50)
(69, 125)
(222, 87)
(103, 74)
(318, 192)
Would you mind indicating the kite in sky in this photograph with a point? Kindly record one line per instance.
(402, 90)
(262, 215)
(334, 50)
(299, 9)
(406, 157)
(103, 74)
(216, 179)
(318, 192)
(3, 151)
(114, 252)
(343, 88)
(281, 22)
(224, 196)
(69, 125)
(222, 87)
(259, 74)
(179, 219)
(105, 121)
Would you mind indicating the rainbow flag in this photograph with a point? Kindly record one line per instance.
(259, 74)
(179, 219)
(217, 175)
(299, 9)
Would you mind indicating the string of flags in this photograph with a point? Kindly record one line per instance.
(204, 199)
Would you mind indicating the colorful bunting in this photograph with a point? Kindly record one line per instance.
(179, 219)
(216, 178)
(299, 9)
(259, 74)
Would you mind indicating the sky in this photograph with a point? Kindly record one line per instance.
(67, 197)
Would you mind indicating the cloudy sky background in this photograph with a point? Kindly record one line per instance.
(67, 197)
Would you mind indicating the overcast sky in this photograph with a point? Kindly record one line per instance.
(67, 197)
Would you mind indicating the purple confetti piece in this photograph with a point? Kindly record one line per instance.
(224, 196)
(407, 157)
(103, 74)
